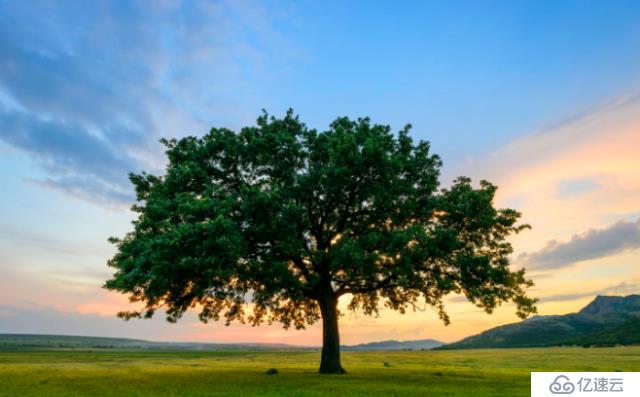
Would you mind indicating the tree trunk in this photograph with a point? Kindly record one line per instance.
(330, 361)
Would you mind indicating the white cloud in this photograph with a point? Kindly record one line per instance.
(89, 99)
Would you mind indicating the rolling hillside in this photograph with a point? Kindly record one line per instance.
(606, 321)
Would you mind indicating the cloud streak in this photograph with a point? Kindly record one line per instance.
(579, 175)
(624, 288)
(78, 161)
(88, 91)
(593, 244)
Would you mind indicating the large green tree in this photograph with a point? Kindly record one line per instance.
(276, 222)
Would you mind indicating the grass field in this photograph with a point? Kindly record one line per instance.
(430, 373)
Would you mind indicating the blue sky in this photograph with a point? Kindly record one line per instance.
(468, 75)
(88, 88)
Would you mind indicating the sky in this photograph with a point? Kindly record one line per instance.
(540, 97)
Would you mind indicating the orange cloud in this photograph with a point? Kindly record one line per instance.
(601, 147)
(536, 175)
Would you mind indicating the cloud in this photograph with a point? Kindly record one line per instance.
(593, 244)
(79, 161)
(577, 183)
(88, 91)
(574, 187)
(624, 288)
(577, 175)
(29, 319)
(18, 237)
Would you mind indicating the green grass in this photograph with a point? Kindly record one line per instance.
(160, 373)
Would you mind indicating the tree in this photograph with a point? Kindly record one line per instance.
(277, 222)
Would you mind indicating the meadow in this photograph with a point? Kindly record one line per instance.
(108, 372)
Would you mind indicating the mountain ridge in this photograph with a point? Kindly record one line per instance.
(390, 345)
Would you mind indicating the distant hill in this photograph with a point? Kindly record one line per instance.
(34, 341)
(606, 321)
(67, 341)
(422, 344)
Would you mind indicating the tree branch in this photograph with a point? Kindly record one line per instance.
(350, 289)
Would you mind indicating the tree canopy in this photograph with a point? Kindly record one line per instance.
(277, 221)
